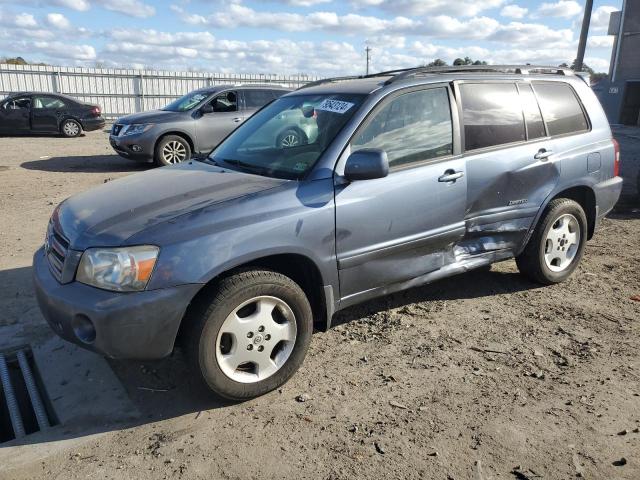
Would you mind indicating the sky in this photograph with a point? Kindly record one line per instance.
(314, 37)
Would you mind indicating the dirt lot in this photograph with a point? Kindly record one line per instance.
(481, 376)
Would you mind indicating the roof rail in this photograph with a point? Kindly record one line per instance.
(517, 69)
(402, 73)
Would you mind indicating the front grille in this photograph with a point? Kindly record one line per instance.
(116, 129)
(56, 248)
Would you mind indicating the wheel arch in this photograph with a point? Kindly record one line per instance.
(300, 268)
(581, 194)
(69, 117)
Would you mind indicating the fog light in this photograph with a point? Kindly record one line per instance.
(84, 329)
(136, 148)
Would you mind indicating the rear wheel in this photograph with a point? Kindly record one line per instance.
(556, 247)
(70, 128)
(252, 336)
(172, 149)
(290, 138)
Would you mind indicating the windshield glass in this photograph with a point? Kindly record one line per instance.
(187, 102)
(286, 138)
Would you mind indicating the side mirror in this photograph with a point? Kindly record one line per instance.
(367, 164)
(206, 108)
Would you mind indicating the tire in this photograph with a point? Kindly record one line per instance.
(171, 150)
(70, 128)
(557, 244)
(290, 138)
(230, 355)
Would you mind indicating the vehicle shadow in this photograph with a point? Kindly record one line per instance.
(86, 163)
(166, 389)
(474, 284)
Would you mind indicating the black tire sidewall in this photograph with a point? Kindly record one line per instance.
(211, 373)
(161, 144)
(562, 208)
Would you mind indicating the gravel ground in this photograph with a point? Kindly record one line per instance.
(481, 376)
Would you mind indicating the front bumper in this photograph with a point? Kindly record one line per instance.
(134, 147)
(138, 325)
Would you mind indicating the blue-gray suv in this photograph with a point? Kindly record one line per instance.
(408, 177)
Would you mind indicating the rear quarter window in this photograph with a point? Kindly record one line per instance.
(492, 114)
(560, 108)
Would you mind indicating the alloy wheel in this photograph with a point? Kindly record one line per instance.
(562, 243)
(71, 129)
(174, 152)
(256, 339)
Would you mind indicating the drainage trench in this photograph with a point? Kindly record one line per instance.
(25, 407)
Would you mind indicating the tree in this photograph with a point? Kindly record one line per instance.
(468, 61)
(437, 63)
(595, 76)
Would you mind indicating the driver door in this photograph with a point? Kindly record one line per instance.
(393, 229)
(212, 128)
(15, 115)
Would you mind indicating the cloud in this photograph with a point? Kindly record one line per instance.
(600, 41)
(465, 8)
(305, 3)
(134, 8)
(78, 5)
(514, 11)
(563, 9)
(59, 21)
(25, 20)
(600, 17)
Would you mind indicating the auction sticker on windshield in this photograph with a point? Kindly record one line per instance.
(335, 106)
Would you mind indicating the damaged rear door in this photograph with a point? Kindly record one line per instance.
(509, 162)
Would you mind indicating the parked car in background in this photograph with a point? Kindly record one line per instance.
(192, 124)
(406, 177)
(35, 112)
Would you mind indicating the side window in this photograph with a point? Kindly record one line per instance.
(225, 102)
(411, 128)
(47, 102)
(560, 108)
(532, 115)
(18, 104)
(257, 98)
(492, 114)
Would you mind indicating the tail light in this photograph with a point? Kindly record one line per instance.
(616, 160)
(96, 111)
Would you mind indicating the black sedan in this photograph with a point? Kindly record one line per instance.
(33, 112)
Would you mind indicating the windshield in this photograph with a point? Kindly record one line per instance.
(187, 102)
(286, 138)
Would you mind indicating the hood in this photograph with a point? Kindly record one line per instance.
(153, 116)
(111, 213)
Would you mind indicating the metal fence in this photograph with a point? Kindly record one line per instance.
(121, 92)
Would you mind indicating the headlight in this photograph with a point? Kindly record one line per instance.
(126, 269)
(136, 128)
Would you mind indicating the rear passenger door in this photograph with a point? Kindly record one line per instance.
(396, 228)
(46, 113)
(509, 161)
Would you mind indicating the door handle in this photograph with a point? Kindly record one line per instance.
(237, 120)
(543, 154)
(450, 176)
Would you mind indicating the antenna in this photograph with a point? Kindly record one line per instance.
(368, 51)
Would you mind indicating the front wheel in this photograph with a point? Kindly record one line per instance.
(252, 336)
(557, 244)
(172, 149)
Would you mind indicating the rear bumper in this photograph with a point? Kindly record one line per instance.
(139, 325)
(90, 124)
(607, 195)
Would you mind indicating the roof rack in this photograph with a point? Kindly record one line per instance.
(403, 73)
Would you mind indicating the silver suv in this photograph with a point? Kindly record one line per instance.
(402, 178)
(192, 124)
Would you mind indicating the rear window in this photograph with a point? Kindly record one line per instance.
(560, 108)
(532, 115)
(492, 114)
(257, 98)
